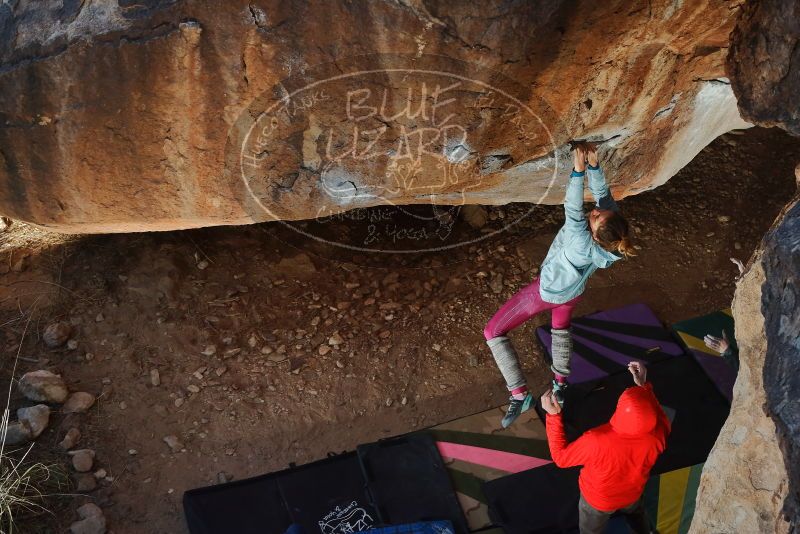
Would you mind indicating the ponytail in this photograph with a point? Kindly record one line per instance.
(613, 236)
(623, 247)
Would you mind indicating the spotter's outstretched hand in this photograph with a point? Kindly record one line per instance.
(639, 373)
(550, 403)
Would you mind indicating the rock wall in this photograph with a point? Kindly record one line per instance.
(764, 63)
(746, 480)
(751, 481)
(780, 305)
(163, 114)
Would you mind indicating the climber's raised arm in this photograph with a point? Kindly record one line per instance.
(597, 181)
(575, 218)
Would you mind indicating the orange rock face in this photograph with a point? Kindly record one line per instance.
(158, 115)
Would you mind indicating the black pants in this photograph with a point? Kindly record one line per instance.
(594, 521)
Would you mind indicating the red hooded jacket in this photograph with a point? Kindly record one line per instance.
(617, 456)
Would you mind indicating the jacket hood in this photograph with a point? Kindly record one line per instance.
(601, 257)
(635, 413)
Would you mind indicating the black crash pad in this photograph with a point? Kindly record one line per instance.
(248, 506)
(408, 481)
(328, 496)
(543, 500)
(396, 481)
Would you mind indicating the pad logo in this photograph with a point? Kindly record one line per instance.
(351, 518)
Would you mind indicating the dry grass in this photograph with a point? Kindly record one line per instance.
(25, 486)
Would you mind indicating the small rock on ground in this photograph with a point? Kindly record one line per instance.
(299, 267)
(85, 482)
(18, 433)
(35, 417)
(89, 510)
(173, 443)
(71, 439)
(78, 402)
(43, 386)
(92, 520)
(82, 460)
(56, 334)
(476, 216)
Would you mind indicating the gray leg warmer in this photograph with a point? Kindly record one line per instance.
(506, 358)
(561, 350)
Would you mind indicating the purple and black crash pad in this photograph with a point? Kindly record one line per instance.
(545, 499)
(605, 342)
(682, 388)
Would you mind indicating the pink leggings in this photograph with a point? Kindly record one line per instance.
(522, 306)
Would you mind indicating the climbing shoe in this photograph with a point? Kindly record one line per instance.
(515, 408)
(559, 388)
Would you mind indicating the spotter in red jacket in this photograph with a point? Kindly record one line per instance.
(617, 456)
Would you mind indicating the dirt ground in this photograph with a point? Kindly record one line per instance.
(271, 347)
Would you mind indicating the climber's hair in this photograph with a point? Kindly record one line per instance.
(613, 236)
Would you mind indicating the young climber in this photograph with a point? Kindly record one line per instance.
(616, 457)
(583, 244)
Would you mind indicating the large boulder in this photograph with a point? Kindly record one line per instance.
(743, 484)
(155, 115)
(751, 481)
(780, 306)
(764, 63)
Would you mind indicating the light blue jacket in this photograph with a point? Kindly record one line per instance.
(574, 256)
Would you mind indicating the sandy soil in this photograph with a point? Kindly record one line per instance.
(318, 348)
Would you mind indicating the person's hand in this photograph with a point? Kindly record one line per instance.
(591, 154)
(639, 373)
(716, 343)
(579, 158)
(549, 403)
